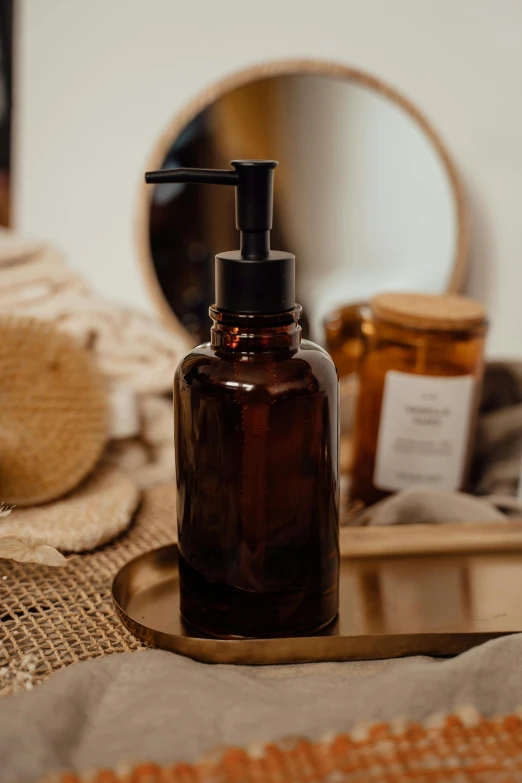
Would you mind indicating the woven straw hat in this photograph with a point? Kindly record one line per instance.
(53, 412)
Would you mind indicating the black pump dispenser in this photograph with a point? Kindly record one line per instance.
(253, 279)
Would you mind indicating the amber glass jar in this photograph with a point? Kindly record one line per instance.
(342, 329)
(419, 374)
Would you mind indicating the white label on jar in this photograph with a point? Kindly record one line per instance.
(423, 431)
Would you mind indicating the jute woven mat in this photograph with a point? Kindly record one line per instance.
(52, 617)
(447, 749)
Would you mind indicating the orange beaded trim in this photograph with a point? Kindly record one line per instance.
(444, 749)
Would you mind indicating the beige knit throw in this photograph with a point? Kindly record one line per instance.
(132, 349)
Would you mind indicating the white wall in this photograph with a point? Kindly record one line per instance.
(98, 79)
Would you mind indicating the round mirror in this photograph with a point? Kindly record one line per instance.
(366, 195)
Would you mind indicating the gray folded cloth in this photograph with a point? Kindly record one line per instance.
(498, 443)
(502, 385)
(499, 451)
(417, 506)
(155, 706)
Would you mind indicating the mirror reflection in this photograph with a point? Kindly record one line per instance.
(362, 196)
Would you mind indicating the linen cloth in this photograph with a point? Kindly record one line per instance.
(156, 706)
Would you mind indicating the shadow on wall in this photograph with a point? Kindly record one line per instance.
(481, 278)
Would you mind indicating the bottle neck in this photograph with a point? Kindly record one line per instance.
(255, 333)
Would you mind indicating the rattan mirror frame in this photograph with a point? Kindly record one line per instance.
(285, 67)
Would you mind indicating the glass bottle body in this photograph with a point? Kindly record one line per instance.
(256, 437)
(430, 353)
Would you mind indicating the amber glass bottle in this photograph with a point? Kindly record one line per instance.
(419, 374)
(257, 475)
(257, 443)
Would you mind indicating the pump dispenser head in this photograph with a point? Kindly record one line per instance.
(253, 279)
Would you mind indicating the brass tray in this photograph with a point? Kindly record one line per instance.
(389, 607)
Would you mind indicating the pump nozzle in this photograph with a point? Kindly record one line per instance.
(254, 180)
(238, 287)
(203, 176)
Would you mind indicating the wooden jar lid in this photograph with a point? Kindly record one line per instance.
(445, 312)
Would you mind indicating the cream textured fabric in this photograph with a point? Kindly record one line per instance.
(149, 458)
(95, 513)
(131, 348)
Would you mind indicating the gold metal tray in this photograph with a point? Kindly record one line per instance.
(389, 607)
